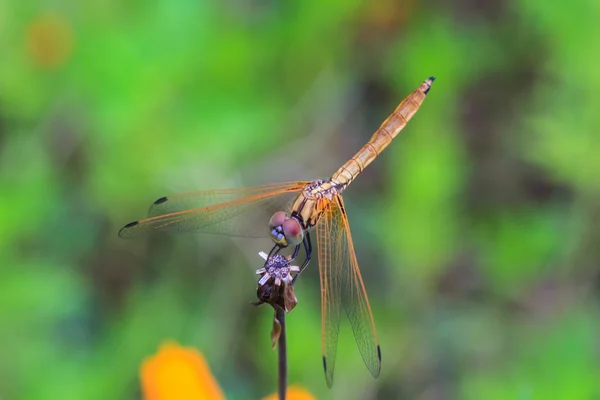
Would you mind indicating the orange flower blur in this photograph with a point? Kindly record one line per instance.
(182, 373)
(293, 393)
(178, 373)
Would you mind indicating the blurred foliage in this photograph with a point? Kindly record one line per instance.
(478, 230)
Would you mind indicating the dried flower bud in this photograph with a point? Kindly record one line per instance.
(275, 282)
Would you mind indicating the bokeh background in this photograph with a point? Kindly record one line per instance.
(477, 230)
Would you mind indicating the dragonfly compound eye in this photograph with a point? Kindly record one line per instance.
(293, 232)
(277, 219)
(276, 228)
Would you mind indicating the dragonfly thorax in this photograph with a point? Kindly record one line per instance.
(312, 201)
(285, 230)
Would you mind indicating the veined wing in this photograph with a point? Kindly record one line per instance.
(234, 212)
(342, 287)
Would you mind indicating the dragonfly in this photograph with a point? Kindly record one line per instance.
(297, 208)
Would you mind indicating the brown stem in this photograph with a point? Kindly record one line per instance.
(281, 355)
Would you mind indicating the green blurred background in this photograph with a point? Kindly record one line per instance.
(477, 231)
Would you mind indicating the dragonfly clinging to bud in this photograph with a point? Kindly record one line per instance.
(297, 209)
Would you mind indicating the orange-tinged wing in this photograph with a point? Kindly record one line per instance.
(234, 212)
(342, 287)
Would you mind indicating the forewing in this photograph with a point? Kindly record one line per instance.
(235, 212)
(342, 287)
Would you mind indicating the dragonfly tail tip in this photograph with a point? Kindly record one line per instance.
(428, 84)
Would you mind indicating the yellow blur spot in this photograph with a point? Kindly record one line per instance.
(178, 373)
(49, 41)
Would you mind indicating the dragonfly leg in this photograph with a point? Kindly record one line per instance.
(296, 251)
(276, 249)
(308, 248)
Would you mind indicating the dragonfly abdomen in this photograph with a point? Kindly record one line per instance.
(383, 136)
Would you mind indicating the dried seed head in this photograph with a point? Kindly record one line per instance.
(275, 282)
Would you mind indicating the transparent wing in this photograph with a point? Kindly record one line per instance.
(235, 212)
(342, 287)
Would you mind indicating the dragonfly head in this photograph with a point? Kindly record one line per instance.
(285, 230)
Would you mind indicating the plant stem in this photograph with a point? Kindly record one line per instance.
(282, 355)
